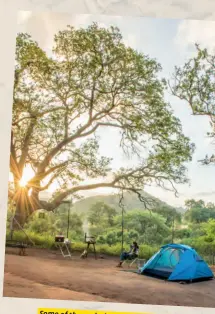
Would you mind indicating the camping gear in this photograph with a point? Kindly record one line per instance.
(89, 240)
(84, 254)
(59, 238)
(63, 245)
(177, 262)
(20, 245)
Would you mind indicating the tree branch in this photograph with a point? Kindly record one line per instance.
(25, 146)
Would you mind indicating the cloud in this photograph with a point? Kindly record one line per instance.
(176, 8)
(23, 16)
(202, 194)
(191, 32)
(42, 26)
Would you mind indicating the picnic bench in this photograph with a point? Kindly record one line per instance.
(19, 245)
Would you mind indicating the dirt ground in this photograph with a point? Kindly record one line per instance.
(46, 275)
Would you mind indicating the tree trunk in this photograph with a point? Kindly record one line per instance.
(25, 206)
(20, 217)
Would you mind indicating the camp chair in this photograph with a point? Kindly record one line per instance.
(138, 261)
(132, 261)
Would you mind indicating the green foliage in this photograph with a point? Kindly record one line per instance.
(194, 82)
(209, 229)
(201, 236)
(140, 226)
(151, 227)
(147, 251)
(40, 240)
(183, 233)
(54, 223)
(199, 212)
(114, 236)
(75, 220)
(148, 229)
(45, 225)
(169, 213)
(115, 250)
(101, 214)
(111, 238)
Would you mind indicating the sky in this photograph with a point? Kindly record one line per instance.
(169, 41)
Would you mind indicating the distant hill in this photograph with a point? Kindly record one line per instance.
(130, 201)
(181, 210)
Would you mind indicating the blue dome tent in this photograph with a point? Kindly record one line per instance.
(176, 262)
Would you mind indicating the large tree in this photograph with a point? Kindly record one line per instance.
(194, 83)
(90, 81)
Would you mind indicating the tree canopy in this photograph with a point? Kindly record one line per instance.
(194, 83)
(198, 211)
(101, 213)
(92, 80)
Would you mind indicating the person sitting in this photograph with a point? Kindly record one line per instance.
(132, 254)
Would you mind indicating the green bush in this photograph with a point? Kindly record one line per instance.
(47, 241)
(147, 251)
(43, 241)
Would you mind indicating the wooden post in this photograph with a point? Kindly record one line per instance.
(94, 250)
(122, 228)
(11, 228)
(173, 228)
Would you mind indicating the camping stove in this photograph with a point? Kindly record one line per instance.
(90, 240)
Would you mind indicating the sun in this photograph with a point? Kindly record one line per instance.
(23, 182)
(27, 175)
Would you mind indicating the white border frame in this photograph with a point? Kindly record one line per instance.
(183, 9)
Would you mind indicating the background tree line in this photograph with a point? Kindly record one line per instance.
(196, 227)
